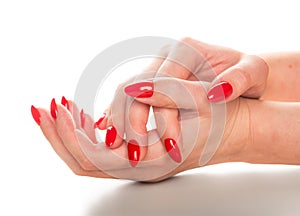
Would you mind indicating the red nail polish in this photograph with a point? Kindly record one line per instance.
(36, 115)
(65, 102)
(96, 125)
(53, 109)
(133, 152)
(111, 134)
(140, 90)
(219, 92)
(82, 118)
(173, 150)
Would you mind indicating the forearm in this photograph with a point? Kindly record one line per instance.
(275, 129)
(284, 76)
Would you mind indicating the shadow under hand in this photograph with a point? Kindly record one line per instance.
(251, 191)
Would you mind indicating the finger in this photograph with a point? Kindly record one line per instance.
(73, 109)
(65, 128)
(49, 130)
(101, 124)
(89, 127)
(168, 128)
(82, 120)
(173, 94)
(154, 66)
(170, 93)
(114, 162)
(136, 132)
(182, 61)
(116, 120)
(148, 72)
(104, 159)
(247, 78)
(137, 115)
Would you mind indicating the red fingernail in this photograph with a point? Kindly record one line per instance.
(133, 152)
(173, 150)
(36, 115)
(97, 124)
(140, 90)
(219, 92)
(111, 134)
(53, 109)
(82, 118)
(65, 102)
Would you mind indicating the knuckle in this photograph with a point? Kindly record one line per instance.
(187, 40)
(163, 52)
(246, 76)
(243, 77)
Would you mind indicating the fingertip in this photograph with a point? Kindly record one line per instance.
(220, 92)
(65, 102)
(73, 109)
(111, 135)
(112, 138)
(82, 118)
(140, 89)
(36, 115)
(101, 123)
(173, 149)
(134, 151)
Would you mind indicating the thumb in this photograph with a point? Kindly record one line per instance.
(248, 79)
(170, 93)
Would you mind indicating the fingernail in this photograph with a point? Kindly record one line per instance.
(36, 115)
(173, 150)
(53, 109)
(111, 134)
(133, 152)
(65, 102)
(97, 124)
(219, 92)
(82, 118)
(140, 90)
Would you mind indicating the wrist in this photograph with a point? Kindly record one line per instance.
(275, 129)
(283, 79)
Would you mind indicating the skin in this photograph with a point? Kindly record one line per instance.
(283, 80)
(246, 139)
(189, 60)
(69, 141)
(248, 136)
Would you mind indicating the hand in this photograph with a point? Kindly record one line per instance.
(236, 73)
(229, 72)
(72, 135)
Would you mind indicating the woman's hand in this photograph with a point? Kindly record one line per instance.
(230, 73)
(72, 135)
(236, 73)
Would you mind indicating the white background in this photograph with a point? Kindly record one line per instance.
(45, 46)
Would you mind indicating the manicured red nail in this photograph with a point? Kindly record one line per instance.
(140, 90)
(111, 134)
(82, 118)
(36, 115)
(219, 92)
(173, 150)
(133, 152)
(65, 102)
(97, 124)
(53, 109)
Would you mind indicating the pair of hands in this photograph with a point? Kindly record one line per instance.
(182, 108)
